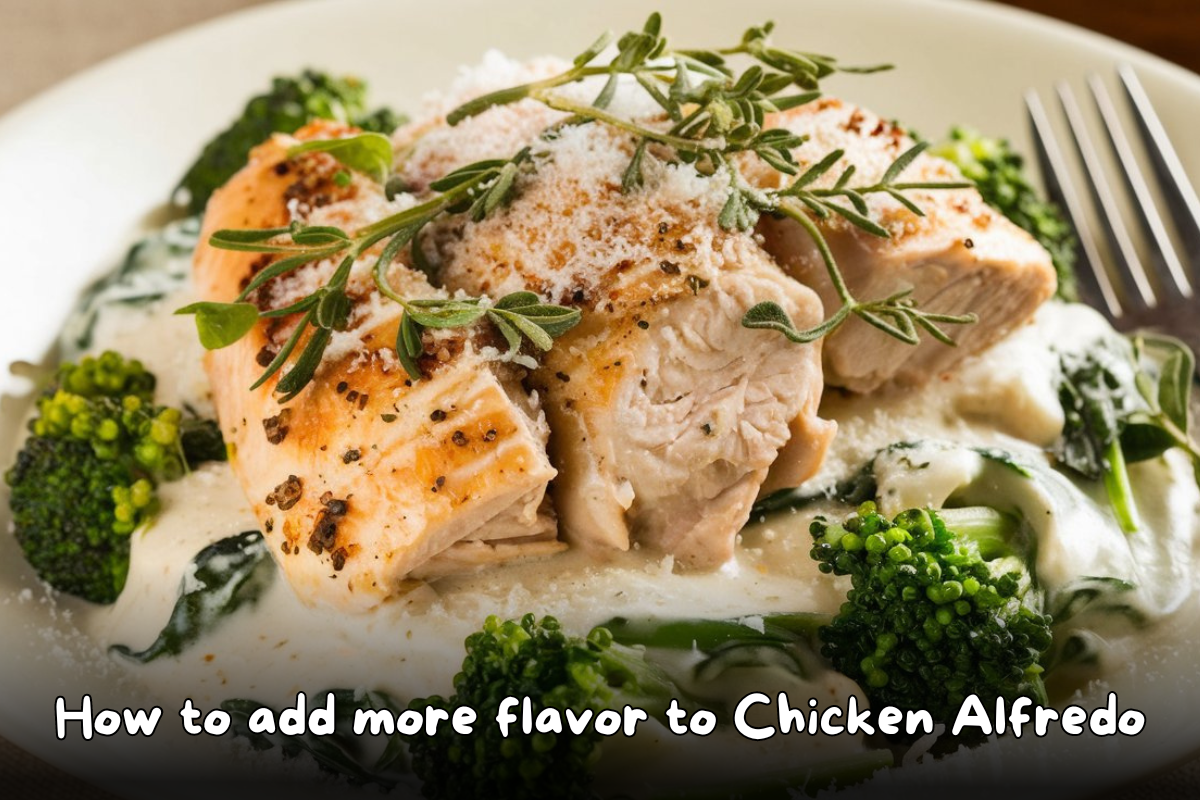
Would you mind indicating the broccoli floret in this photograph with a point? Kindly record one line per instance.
(290, 103)
(536, 660)
(941, 608)
(116, 429)
(999, 174)
(106, 375)
(68, 519)
(106, 401)
(85, 478)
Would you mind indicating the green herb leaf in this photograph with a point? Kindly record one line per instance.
(333, 309)
(1131, 398)
(467, 174)
(861, 220)
(318, 235)
(770, 316)
(481, 104)
(368, 153)
(554, 320)
(283, 266)
(903, 162)
(815, 171)
(222, 578)
(586, 57)
(633, 178)
(1142, 441)
(229, 239)
(451, 314)
(510, 334)
(532, 331)
(305, 367)
(1175, 380)
(285, 352)
(1095, 394)
(607, 93)
(409, 346)
(901, 329)
(518, 300)
(221, 324)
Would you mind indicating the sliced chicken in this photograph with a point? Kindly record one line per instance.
(960, 257)
(667, 414)
(367, 476)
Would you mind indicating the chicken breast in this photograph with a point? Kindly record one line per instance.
(961, 257)
(367, 476)
(667, 414)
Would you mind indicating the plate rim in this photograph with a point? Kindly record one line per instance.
(61, 92)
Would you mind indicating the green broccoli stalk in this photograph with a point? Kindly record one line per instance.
(290, 103)
(85, 478)
(536, 660)
(999, 174)
(941, 608)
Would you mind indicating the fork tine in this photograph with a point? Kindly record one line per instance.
(1181, 198)
(1164, 251)
(1061, 191)
(1125, 254)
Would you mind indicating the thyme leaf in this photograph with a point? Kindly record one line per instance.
(516, 315)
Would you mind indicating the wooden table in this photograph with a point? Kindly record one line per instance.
(1168, 28)
(44, 41)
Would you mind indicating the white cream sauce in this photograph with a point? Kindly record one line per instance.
(412, 645)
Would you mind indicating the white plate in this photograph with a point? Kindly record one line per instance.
(82, 165)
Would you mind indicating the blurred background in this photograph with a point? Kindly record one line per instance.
(44, 41)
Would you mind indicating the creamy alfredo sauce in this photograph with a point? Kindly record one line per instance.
(412, 646)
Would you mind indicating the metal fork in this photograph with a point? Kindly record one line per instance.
(1132, 293)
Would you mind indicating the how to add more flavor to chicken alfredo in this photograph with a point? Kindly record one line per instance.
(646, 424)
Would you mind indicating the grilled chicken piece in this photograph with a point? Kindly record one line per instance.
(960, 257)
(366, 476)
(667, 414)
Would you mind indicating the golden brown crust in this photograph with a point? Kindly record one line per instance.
(366, 474)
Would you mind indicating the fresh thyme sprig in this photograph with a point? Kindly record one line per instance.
(715, 114)
(516, 315)
(896, 315)
(476, 190)
(711, 119)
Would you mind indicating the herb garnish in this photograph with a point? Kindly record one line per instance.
(718, 114)
(715, 115)
(476, 189)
